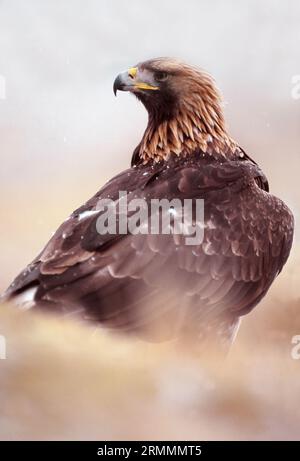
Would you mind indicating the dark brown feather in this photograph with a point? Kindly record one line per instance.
(133, 282)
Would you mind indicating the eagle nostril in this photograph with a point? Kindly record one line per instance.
(132, 72)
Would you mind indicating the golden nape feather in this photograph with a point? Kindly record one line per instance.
(195, 117)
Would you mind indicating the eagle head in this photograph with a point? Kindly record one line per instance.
(184, 107)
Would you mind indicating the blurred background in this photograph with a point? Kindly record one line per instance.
(63, 134)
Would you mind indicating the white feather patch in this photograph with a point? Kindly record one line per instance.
(86, 214)
(25, 300)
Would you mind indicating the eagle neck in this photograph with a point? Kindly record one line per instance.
(191, 128)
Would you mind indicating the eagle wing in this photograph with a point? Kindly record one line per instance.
(130, 280)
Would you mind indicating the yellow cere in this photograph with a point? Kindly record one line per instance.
(132, 72)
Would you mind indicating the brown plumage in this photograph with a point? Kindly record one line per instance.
(181, 125)
(156, 284)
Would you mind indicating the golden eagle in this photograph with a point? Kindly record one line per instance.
(155, 284)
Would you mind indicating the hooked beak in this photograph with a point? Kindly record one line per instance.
(130, 81)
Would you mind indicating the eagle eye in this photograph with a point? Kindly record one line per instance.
(160, 76)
